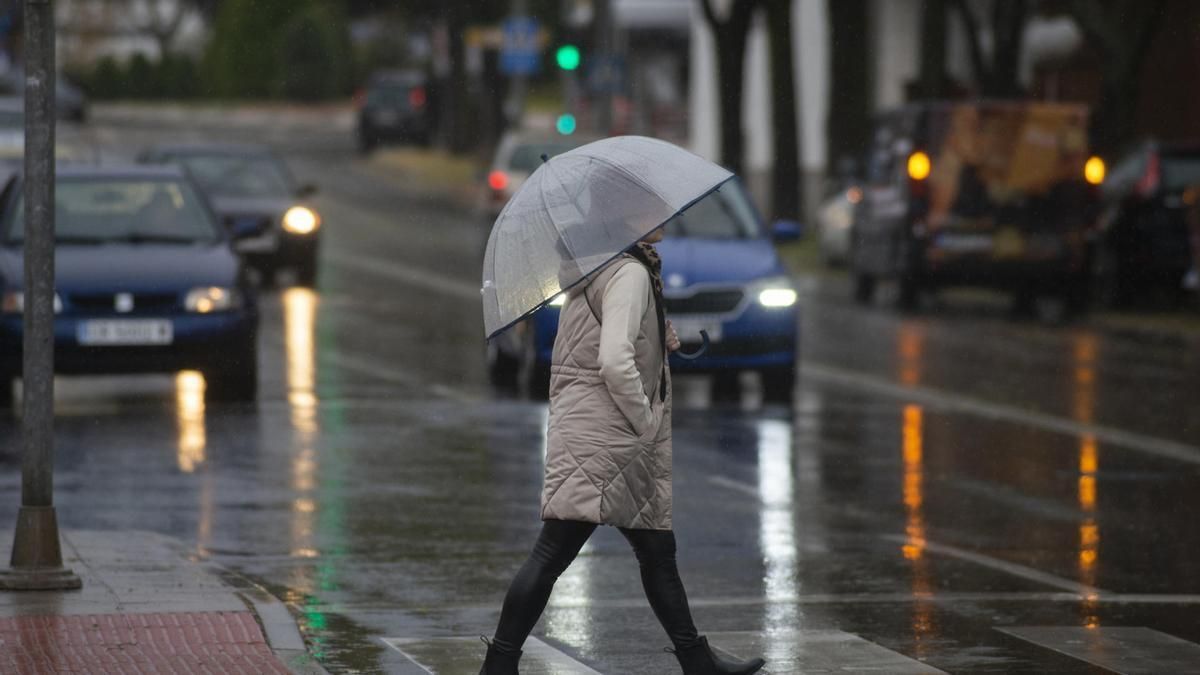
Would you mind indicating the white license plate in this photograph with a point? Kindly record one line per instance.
(386, 117)
(965, 243)
(688, 330)
(266, 243)
(126, 332)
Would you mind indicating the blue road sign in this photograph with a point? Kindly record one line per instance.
(520, 53)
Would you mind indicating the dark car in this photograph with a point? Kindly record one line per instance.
(394, 107)
(70, 102)
(146, 282)
(258, 201)
(1146, 229)
(995, 194)
(721, 274)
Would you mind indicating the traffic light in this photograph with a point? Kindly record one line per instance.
(568, 57)
(566, 124)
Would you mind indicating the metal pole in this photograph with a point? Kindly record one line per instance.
(37, 554)
(518, 85)
(602, 35)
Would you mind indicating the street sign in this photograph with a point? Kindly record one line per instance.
(521, 49)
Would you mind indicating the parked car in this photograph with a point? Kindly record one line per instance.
(994, 194)
(1145, 232)
(518, 154)
(721, 274)
(394, 106)
(269, 215)
(71, 103)
(146, 281)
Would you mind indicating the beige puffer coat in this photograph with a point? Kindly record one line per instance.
(604, 465)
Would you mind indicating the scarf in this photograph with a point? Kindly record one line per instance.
(648, 256)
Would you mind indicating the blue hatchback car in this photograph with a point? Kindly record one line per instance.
(721, 274)
(146, 281)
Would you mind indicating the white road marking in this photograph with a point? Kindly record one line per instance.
(455, 655)
(1122, 649)
(818, 651)
(1147, 445)
(1006, 567)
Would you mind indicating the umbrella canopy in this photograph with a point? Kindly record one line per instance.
(580, 210)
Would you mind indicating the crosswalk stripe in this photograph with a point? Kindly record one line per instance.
(818, 651)
(1122, 649)
(456, 655)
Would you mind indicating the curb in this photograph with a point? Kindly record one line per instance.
(278, 624)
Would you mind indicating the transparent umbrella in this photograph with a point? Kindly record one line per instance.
(580, 210)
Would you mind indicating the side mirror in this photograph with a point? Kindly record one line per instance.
(306, 190)
(786, 230)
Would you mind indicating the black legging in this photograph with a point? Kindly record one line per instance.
(557, 546)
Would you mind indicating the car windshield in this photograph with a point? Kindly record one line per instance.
(122, 210)
(528, 157)
(391, 95)
(1180, 172)
(238, 175)
(724, 214)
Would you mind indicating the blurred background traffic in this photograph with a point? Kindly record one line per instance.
(956, 280)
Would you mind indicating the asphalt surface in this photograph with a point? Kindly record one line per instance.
(953, 491)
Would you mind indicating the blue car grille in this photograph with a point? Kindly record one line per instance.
(705, 302)
(106, 303)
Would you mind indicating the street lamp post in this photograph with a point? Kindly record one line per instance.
(37, 554)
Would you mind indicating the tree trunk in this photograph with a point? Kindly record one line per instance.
(730, 36)
(787, 199)
(849, 121)
(932, 76)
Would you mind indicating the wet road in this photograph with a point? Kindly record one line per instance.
(953, 492)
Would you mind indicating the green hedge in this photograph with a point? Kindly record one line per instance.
(173, 77)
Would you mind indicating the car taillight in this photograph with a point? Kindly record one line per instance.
(1147, 185)
(497, 180)
(416, 97)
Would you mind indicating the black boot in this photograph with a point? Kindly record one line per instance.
(499, 662)
(699, 659)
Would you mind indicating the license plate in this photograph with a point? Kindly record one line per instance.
(688, 330)
(386, 117)
(266, 243)
(964, 243)
(129, 332)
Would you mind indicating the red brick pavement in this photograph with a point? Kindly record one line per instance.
(198, 642)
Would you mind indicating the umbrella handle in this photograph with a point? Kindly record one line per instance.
(699, 352)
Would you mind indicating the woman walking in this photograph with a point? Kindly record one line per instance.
(608, 457)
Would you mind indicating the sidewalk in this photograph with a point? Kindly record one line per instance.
(145, 608)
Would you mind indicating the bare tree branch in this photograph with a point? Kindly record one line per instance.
(971, 27)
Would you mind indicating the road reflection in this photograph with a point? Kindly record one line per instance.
(777, 533)
(913, 549)
(1084, 359)
(189, 417)
(299, 317)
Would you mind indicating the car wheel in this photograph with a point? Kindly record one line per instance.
(909, 297)
(503, 369)
(238, 384)
(6, 391)
(306, 271)
(864, 288)
(779, 384)
(726, 387)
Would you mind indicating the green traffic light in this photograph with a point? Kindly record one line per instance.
(566, 124)
(568, 57)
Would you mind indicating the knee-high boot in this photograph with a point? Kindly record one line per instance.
(699, 659)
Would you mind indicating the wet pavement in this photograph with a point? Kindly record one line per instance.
(952, 492)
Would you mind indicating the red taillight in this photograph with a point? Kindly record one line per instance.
(1147, 185)
(416, 97)
(497, 180)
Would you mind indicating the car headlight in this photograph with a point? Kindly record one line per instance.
(13, 302)
(775, 293)
(212, 299)
(301, 220)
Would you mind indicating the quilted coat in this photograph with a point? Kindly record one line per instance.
(599, 468)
